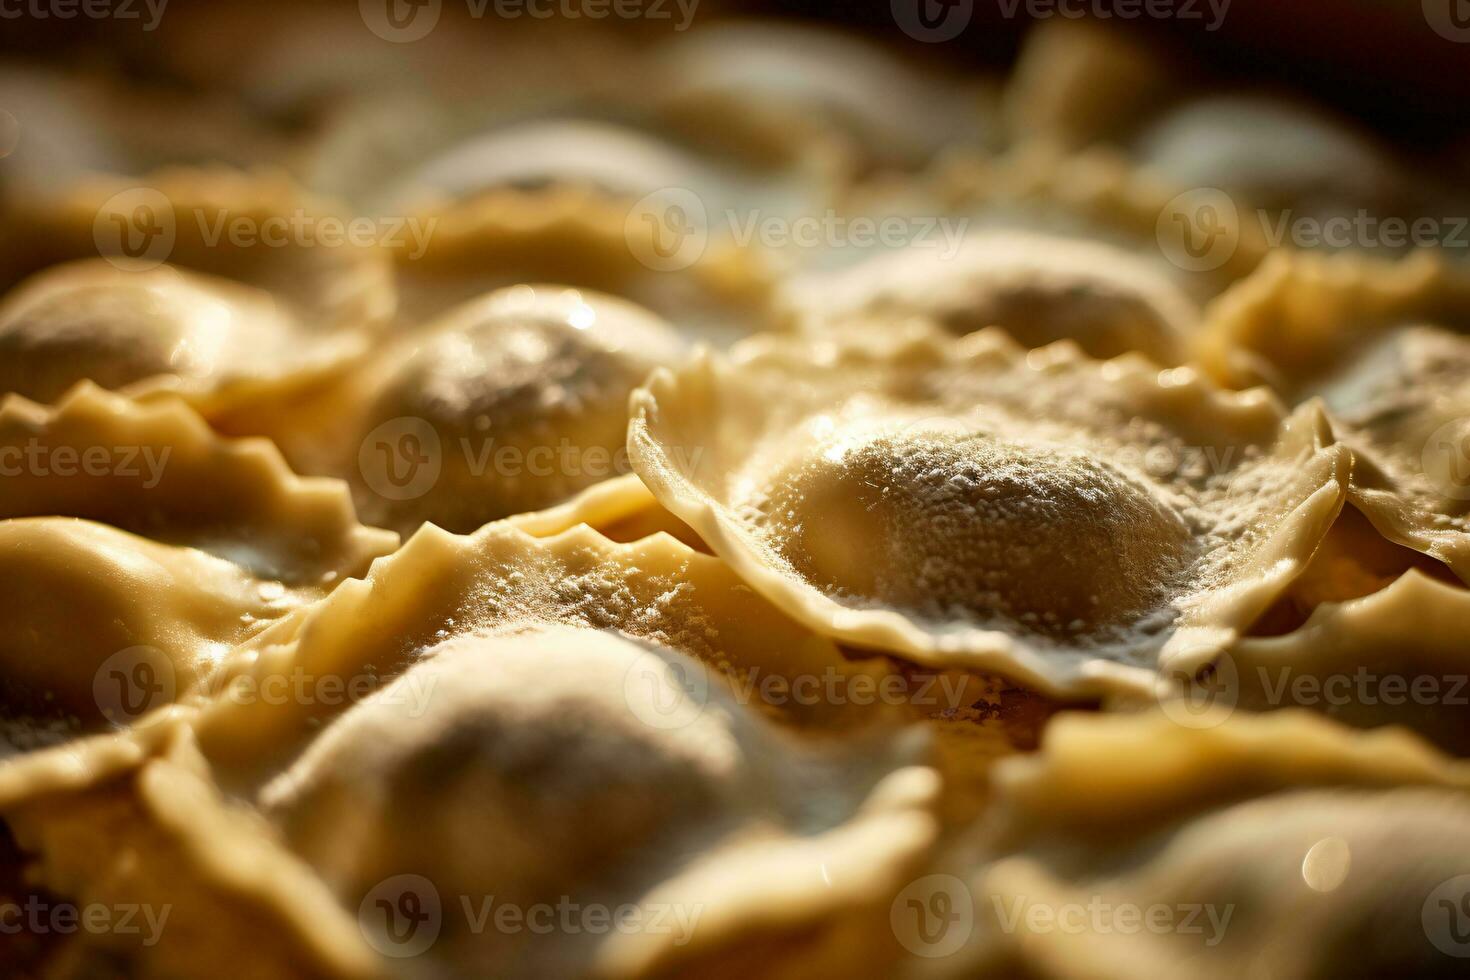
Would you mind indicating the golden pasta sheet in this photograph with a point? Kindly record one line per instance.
(1383, 344)
(257, 228)
(1067, 522)
(139, 547)
(500, 720)
(1131, 845)
(515, 401)
(1039, 288)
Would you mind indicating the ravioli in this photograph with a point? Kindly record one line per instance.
(602, 712)
(1384, 344)
(1038, 288)
(1279, 843)
(1275, 152)
(139, 548)
(659, 251)
(257, 229)
(1394, 657)
(1066, 522)
(226, 348)
(799, 91)
(512, 402)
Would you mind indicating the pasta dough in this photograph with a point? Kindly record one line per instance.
(1038, 288)
(1259, 843)
(139, 548)
(511, 402)
(1383, 344)
(962, 501)
(226, 348)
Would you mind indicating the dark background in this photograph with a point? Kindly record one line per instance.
(1377, 60)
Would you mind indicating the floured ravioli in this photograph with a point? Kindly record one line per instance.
(1396, 657)
(513, 402)
(799, 90)
(139, 548)
(1277, 845)
(1098, 195)
(507, 719)
(1384, 344)
(1063, 521)
(223, 346)
(1077, 83)
(1081, 84)
(502, 582)
(258, 229)
(1275, 152)
(660, 253)
(84, 122)
(1038, 288)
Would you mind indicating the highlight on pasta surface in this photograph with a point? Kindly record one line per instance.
(658, 490)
